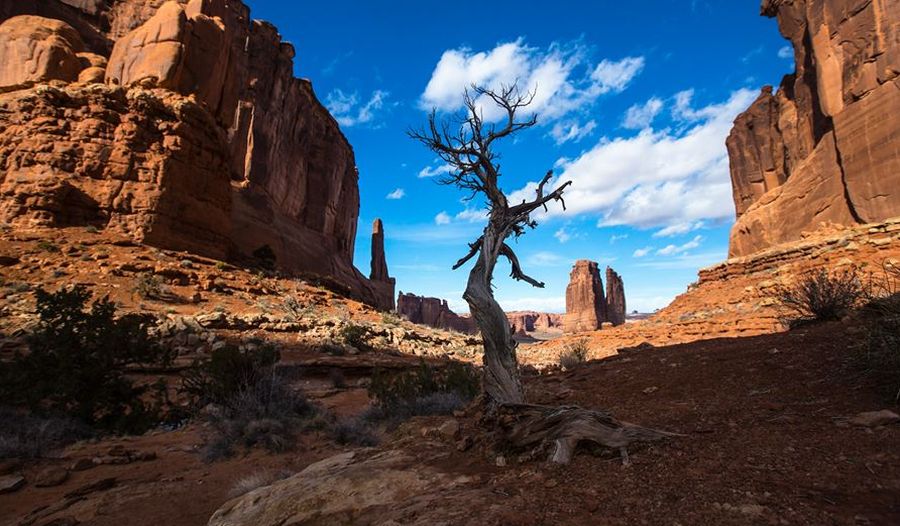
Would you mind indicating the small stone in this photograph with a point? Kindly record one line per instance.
(82, 464)
(875, 418)
(11, 483)
(651, 389)
(500, 461)
(51, 476)
(449, 429)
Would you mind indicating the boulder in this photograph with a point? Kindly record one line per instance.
(51, 476)
(154, 51)
(11, 483)
(36, 49)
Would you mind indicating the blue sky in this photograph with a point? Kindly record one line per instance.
(634, 101)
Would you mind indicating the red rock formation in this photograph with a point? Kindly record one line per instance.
(615, 298)
(433, 312)
(289, 170)
(379, 274)
(826, 147)
(523, 322)
(585, 302)
(35, 49)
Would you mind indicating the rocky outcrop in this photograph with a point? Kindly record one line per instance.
(825, 148)
(379, 273)
(587, 308)
(585, 301)
(615, 297)
(523, 322)
(289, 172)
(433, 312)
(35, 49)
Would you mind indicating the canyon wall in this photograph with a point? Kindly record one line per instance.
(179, 124)
(587, 307)
(523, 322)
(825, 148)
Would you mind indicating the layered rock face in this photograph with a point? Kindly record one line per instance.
(824, 149)
(587, 308)
(279, 156)
(615, 297)
(523, 322)
(433, 312)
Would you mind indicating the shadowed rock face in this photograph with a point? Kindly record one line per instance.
(379, 274)
(615, 297)
(825, 148)
(288, 173)
(433, 312)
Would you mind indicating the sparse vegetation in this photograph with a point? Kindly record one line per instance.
(574, 354)
(881, 349)
(427, 390)
(355, 335)
(78, 362)
(91, 229)
(257, 480)
(149, 287)
(30, 436)
(820, 296)
(354, 431)
(47, 246)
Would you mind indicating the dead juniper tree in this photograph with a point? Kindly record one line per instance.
(466, 142)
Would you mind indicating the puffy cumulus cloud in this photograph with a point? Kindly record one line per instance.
(678, 229)
(641, 116)
(671, 250)
(443, 218)
(561, 77)
(562, 235)
(399, 193)
(347, 110)
(566, 131)
(655, 178)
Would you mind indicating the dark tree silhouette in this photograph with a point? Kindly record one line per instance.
(467, 144)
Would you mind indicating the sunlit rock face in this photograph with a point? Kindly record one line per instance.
(236, 157)
(824, 148)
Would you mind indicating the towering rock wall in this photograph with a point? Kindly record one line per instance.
(825, 148)
(433, 312)
(277, 152)
(615, 297)
(379, 276)
(523, 322)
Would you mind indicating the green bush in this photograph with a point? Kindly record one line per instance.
(228, 372)
(77, 363)
(355, 335)
(820, 296)
(426, 390)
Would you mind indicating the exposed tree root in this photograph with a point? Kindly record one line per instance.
(562, 428)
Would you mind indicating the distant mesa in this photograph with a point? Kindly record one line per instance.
(587, 307)
(434, 312)
(825, 148)
(182, 126)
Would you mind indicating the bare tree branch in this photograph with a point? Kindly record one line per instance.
(516, 272)
(473, 249)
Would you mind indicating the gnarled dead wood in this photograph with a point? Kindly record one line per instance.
(529, 426)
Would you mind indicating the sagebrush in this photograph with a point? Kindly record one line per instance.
(821, 296)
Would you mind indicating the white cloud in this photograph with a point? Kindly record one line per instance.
(679, 228)
(346, 110)
(562, 235)
(399, 193)
(786, 52)
(539, 304)
(544, 259)
(561, 77)
(563, 132)
(671, 250)
(472, 215)
(641, 252)
(641, 116)
(617, 237)
(656, 178)
(443, 218)
(431, 171)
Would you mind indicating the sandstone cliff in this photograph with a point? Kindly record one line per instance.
(182, 125)
(587, 308)
(825, 148)
(523, 322)
(433, 312)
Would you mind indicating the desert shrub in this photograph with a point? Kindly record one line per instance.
(355, 335)
(25, 435)
(77, 363)
(267, 413)
(149, 287)
(882, 350)
(574, 354)
(338, 381)
(226, 373)
(820, 296)
(426, 390)
(47, 246)
(353, 431)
